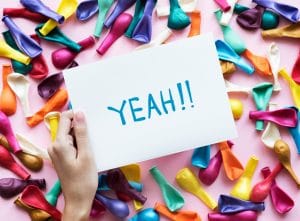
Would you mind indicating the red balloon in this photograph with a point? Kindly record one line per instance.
(24, 13)
(296, 70)
(97, 209)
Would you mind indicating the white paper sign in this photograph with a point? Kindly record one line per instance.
(153, 102)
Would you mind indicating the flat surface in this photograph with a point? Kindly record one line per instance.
(128, 102)
(247, 144)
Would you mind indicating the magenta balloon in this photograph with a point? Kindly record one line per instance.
(117, 30)
(97, 209)
(62, 57)
(284, 117)
(6, 130)
(242, 216)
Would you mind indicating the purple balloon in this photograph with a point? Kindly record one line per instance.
(24, 42)
(87, 9)
(289, 12)
(251, 18)
(10, 187)
(38, 7)
(143, 29)
(121, 6)
(50, 85)
(73, 64)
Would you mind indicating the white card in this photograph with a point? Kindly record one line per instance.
(153, 102)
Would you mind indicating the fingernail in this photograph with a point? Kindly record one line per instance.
(79, 117)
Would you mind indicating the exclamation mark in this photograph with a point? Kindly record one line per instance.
(179, 87)
(187, 84)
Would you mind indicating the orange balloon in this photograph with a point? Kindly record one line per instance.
(227, 67)
(8, 101)
(178, 215)
(233, 168)
(261, 64)
(195, 23)
(55, 103)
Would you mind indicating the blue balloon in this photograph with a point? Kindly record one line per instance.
(201, 157)
(148, 214)
(295, 131)
(87, 9)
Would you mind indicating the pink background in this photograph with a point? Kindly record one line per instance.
(247, 144)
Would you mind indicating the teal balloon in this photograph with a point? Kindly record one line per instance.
(138, 14)
(295, 131)
(178, 19)
(104, 6)
(172, 197)
(148, 214)
(201, 157)
(261, 95)
(231, 37)
(17, 66)
(56, 35)
(53, 194)
(238, 8)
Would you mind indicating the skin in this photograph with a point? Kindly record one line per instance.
(75, 167)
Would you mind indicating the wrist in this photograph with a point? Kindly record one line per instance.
(73, 212)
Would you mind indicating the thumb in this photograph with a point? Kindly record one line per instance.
(81, 134)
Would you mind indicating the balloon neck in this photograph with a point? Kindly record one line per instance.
(19, 171)
(88, 42)
(158, 176)
(250, 167)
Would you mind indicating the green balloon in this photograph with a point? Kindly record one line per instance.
(54, 193)
(138, 13)
(172, 197)
(262, 94)
(57, 36)
(17, 66)
(231, 37)
(104, 6)
(270, 20)
(178, 19)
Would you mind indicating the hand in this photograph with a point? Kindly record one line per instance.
(75, 168)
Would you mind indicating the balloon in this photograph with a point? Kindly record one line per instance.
(226, 16)
(261, 64)
(229, 204)
(87, 9)
(62, 57)
(57, 36)
(187, 180)
(103, 186)
(281, 201)
(251, 18)
(17, 66)
(261, 190)
(286, 117)
(273, 56)
(234, 88)
(50, 85)
(288, 31)
(117, 30)
(38, 7)
(97, 209)
(178, 215)
(227, 67)
(10, 187)
(104, 8)
(24, 42)
(225, 52)
(51, 120)
(289, 12)
(8, 102)
(245, 216)
(143, 30)
(172, 197)
(233, 167)
(20, 86)
(8, 52)
(8, 162)
(231, 37)
(121, 6)
(261, 95)
(238, 8)
(242, 187)
(201, 157)
(33, 197)
(223, 5)
(282, 151)
(35, 214)
(116, 207)
(24, 13)
(54, 193)
(295, 131)
(195, 23)
(186, 5)
(148, 214)
(158, 40)
(177, 19)
(236, 108)
(295, 72)
(56, 102)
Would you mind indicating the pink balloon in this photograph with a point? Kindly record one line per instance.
(242, 216)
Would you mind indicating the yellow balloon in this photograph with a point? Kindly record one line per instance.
(242, 188)
(9, 52)
(187, 180)
(236, 108)
(66, 8)
(289, 31)
(294, 87)
(227, 67)
(52, 120)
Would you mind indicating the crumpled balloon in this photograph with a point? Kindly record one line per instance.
(87, 9)
(288, 31)
(195, 23)
(251, 18)
(177, 19)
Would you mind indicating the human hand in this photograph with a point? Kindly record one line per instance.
(75, 168)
